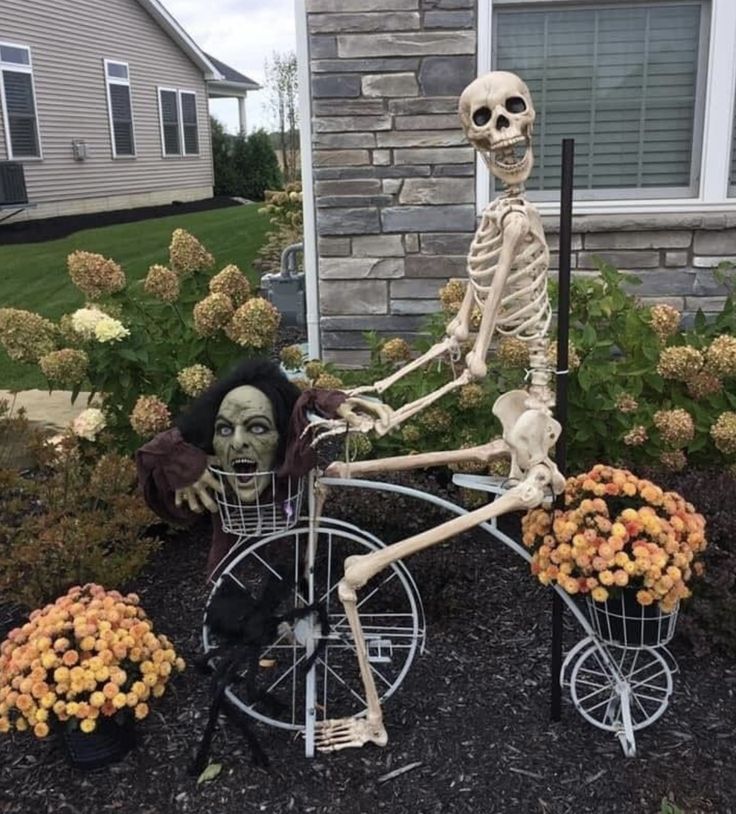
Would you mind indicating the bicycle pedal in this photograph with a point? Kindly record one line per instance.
(379, 651)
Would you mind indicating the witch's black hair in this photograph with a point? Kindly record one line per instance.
(197, 422)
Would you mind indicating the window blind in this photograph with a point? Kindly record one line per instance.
(189, 122)
(18, 89)
(122, 119)
(620, 81)
(170, 122)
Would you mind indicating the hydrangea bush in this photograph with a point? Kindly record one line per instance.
(643, 388)
(145, 348)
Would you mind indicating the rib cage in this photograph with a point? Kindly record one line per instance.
(525, 311)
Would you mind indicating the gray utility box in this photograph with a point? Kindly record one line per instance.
(285, 290)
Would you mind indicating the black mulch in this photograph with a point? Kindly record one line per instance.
(38, 231)
(472, 716)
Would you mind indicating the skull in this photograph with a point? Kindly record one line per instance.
(497, 114)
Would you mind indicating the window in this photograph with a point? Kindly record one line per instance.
(179, 126)
(624, 81)
(120, 109)
(189, 122)
(19, 102)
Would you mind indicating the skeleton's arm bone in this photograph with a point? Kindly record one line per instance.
(515, 227)
(400, 463)
(459, 326)
(439, 348)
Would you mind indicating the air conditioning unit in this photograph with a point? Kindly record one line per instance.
(12, 183)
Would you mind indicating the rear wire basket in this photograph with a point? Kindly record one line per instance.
(277, 507)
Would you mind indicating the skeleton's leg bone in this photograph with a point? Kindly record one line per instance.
(515, 226)
(353, 732)
(481, 454)
(438, 349)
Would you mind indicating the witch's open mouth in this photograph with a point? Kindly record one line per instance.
(244, 469)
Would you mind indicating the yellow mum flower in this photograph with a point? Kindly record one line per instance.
(88, 725)
(599, 594)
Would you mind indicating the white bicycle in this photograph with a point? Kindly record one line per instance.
(619, 680)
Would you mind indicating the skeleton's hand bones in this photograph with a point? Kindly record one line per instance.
(198, 496)
(364, 415)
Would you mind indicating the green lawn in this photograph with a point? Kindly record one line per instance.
(34, 276)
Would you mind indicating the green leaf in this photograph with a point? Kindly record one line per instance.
(210, 773)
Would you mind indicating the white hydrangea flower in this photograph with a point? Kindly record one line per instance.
(84, 321)
(110, 330)
(89, 423)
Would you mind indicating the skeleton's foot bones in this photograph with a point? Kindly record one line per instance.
(349, 733)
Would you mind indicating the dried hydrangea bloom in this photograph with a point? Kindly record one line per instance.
(301, 383)
(162, 283)
(89, 423)
(26, 336)
(676, 427)
(723, 433)
(68, 334)
(451, 296)
(436, 420)
(95, 275)
(326, 381)
(254, 324)
(233, 282)
(704, 384)
(187, 255)
(674, 460)
(680, 363)
(500, 467)
(636, 436)
(194, 380)
(626, 403)
(396, 350)
(357, 446)
(411, 433)
(469, 467)
(513, 353)
(720, 357)
(212, 314)
(665, 321)
(291, 357)
(573, 358)
(67, 366)
(470, 396)
(108, 329)
(313, 369)
(149, 416)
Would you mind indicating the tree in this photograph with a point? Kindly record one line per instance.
(255, 165)
(282, 84)
(222, 160)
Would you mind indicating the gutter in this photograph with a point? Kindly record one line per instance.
(311, 277)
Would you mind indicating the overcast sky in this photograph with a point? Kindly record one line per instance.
(243, 34)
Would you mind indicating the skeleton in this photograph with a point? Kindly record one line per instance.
(507, 271)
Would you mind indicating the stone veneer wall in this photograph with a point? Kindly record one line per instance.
(394, 179)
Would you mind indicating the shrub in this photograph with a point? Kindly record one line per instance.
(78, 518)
(256, 165)
(284, 209)
(136, 344)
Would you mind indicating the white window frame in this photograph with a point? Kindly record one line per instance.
(183, 149)
(181, 119)
(115, 80)
(19, 68)
(715, 159)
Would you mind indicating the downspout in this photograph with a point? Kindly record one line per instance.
(311, 279)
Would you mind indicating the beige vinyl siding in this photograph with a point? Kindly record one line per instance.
(68, 41)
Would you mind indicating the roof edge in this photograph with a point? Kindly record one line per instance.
(173, 28)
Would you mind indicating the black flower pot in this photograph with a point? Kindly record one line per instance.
(622, 620)
(111, 740)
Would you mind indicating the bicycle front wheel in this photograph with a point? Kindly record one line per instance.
(281, 693)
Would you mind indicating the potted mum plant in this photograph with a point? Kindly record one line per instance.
(87, 667)
(628, 547)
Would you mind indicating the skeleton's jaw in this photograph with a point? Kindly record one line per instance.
(510, 160)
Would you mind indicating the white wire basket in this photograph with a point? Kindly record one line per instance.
(623, 621)
(277, 506)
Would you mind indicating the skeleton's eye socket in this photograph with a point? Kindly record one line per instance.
(481, 116)
(515, 104)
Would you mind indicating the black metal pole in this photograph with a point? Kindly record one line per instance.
(563, 334)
